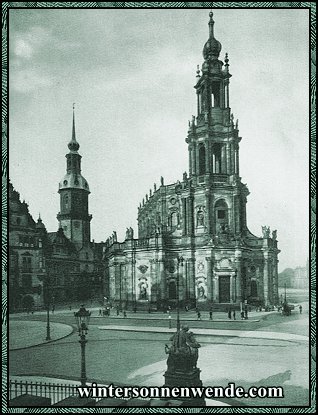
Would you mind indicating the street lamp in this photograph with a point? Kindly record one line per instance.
(82, 320)
(180, 262)
(47, 292)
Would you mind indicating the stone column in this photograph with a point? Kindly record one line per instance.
(209, 274)
(227, 92)
(190, 216)
(212, 162)
(228, 158)
(238, 159)
(184, 216)
(233, 288)
(192, 278)
(266, 278)
(162, 279)
(197, 159)
(238, 263)
(207, 157)
(216, 289)
(275, 281)
(208, 208)
(223, 159)
(190, 159)
(193, 159)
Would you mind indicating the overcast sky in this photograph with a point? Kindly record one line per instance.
(131, 74)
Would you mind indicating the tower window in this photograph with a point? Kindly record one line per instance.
(215, 94)
(221, 214)
(66, 201)
(201, 159)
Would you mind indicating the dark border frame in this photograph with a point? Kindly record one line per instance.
(311, 6)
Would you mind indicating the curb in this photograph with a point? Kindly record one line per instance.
(44, 342)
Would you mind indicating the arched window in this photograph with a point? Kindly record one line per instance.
(215, 94)
(221, 216)
(172, 290)
(66, 202)
(201, 159)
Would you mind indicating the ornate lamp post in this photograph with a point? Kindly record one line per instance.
(47, 294)
(82, 317)
(180, 262)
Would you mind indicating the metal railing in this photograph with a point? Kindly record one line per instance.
(55, 391)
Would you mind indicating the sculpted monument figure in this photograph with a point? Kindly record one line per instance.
(183, 351)
(266, 231)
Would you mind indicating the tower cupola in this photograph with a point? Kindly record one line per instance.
(212, 47)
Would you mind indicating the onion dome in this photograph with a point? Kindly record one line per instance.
(213, 47)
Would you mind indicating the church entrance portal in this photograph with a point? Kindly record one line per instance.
(224, 288)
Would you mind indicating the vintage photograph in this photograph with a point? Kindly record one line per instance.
(158, 206)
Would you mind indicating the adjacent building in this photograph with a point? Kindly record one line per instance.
(46, 268)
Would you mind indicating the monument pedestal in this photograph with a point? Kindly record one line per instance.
(187, 379)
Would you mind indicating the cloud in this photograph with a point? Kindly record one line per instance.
(23, 49)
(28, 80)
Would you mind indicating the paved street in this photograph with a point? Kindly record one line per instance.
(271, 350)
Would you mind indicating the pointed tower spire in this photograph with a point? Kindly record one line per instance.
(211, 25)
(73, 144)
(73, 129)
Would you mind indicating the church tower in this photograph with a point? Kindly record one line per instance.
(73, 217)
(213, 145)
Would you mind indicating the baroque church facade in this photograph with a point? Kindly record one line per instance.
(47, 268)
(194, 245)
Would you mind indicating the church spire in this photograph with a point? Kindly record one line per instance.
(211, 25)
(73, 144)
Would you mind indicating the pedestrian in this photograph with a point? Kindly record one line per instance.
(199, 315)
(234, 315)
(70, 307)
(100, 312)
(53, 308)
(125, 314)
(211, 317)
(117, 311)
(135, 309)
(300, 309)
(246, 316)
(242, 315)
(229, 314)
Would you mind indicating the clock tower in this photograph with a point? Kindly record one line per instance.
(73, 217)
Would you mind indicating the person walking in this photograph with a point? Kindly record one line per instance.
(125, 314)
(234, 315)
(199, 315)
(300, 309)
(230, 314)
(211, 315)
